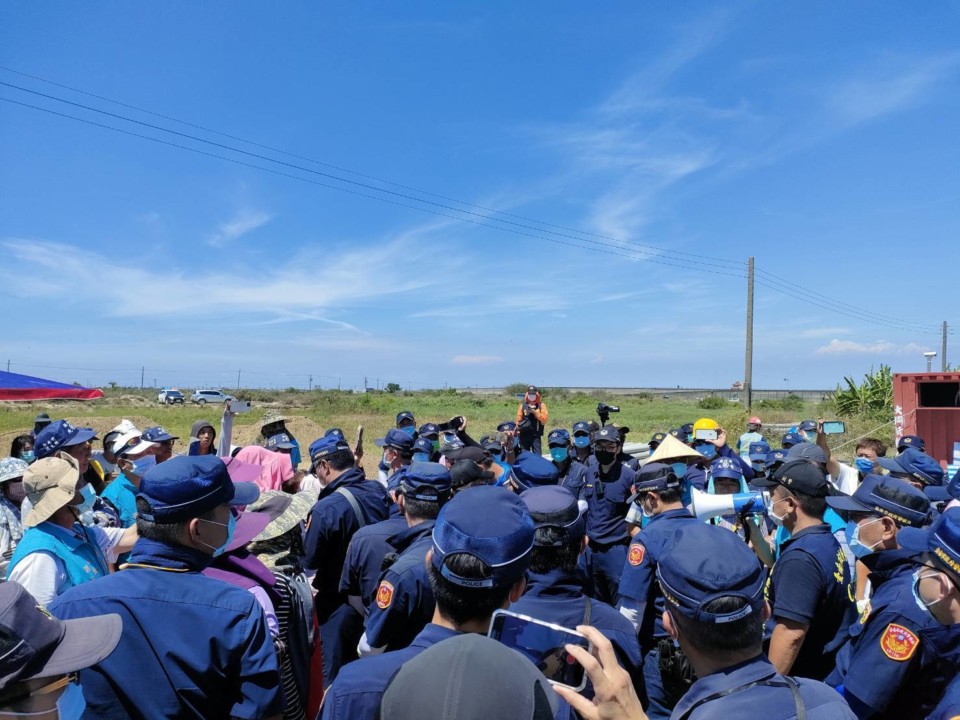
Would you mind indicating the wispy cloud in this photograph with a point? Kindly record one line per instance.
(850, 347)
(476, 359)
(245, 221)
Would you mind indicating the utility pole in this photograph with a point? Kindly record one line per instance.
(238, 379)
(8, 366)
(310, 385)
(748, 361)
(943, 349)
(142, 369)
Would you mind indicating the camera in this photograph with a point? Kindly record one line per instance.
(604, 410)
(452, 425)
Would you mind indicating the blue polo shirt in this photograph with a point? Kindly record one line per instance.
(810, 584)
(123, 494)
(358, 689)
(192, 646)
(758, 698)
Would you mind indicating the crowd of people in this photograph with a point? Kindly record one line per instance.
(701, 579)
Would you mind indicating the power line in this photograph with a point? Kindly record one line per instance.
(632, 254)
(484, 208)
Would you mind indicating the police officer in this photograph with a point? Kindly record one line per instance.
(757, 453)
(422, 450)
(936, 590)
(810, 587)
(532, 470)
(581, 439)
(572, 473)
(407, 422)
(397, 453)
(198, 647)
(347, 502)
(431, 432)
(404, 601)
(725, 479)
(655, 440)
(887, 669)
(790, 439)
(607, 492)
(659, 493)
(555, 585)
(914, 466)
(475, 566)
(715, 609)
(911, 441)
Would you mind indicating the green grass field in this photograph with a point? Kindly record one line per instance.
(311, 413)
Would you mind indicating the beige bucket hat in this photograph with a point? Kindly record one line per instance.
(50, 484)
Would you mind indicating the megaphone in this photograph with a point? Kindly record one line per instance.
(704, 505)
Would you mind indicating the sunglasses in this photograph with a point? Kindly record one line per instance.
(47, 689)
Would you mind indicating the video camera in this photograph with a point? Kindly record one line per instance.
(604, 410)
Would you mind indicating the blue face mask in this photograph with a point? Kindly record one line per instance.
(28, 456)
(706, 449)
(71, 704)
(410, 430)
(852, 533)
(581, 441)
(864, 465)
(448, 438)
(559, 454)
(217, 551)
(679, 469)
(421, 457)
(89, 498)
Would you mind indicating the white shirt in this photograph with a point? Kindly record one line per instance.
(43, 574)
(848, 479)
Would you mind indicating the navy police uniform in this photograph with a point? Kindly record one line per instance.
(608, 500)
(487, 522)
(708, 563)
(192, 646)
(571, 472)
(330, 527)
(364, 562)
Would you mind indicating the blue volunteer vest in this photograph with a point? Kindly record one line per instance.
(80, 554)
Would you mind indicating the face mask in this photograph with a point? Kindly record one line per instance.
(410, 430)
(448, 438)
(581, 441)
(89, 498)
(864, 465)
(916, 592)
(421, 457)
(644, 512)
(15, 492)
(777, 519)
(436, 445)
(28, 456)
(679, 469)
(810, 436)
(217, 551)
(706, 449)
(852, 532)
(558, 454)
(605, 457)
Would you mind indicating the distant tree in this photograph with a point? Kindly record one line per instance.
(392, 387)
(873, 396)
(112, 384)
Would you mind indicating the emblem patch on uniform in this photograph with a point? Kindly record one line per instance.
(898, 643)
(384, 595)
(636, 554)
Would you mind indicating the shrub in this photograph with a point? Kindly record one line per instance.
(873, 396)
(712, 402)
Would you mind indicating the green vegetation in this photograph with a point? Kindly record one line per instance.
(873, 397)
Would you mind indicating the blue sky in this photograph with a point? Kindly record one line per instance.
(818, 137)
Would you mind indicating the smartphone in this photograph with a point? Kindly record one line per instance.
(705, 435)
(358, 445)
(834, 427)
(452, 425)
(543, 643)
(240, 406)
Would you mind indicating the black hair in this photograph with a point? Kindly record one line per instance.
(669, 495)
(167, 533)
(721, 640)
(463, 604)
(553, 547)
(423, 509)
(340, 460)
(16, 447)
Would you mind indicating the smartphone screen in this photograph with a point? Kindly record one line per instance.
(705, 435)
(544, 644)
(834, 427)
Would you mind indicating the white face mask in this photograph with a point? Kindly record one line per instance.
(777, 519)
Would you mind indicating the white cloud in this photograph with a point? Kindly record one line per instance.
(476, 359)
(243, 222)
(850, 347)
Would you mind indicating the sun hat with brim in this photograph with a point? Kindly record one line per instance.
(12, 468)
(50, 484)
(128, 443)
(672, 449)
(272, 417)
(248, 526)
(282, 510)
(34, 644)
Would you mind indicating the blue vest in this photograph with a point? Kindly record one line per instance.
(79, 553)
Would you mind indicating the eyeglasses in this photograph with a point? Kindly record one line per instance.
(47, 689)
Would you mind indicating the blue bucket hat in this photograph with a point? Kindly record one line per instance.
(58, 435)
(490, 524)
(941, 540)
(531, 470)
(915, 464)
(705, 564)
(554, 507)
(188, 486)
(758, 451)
(157, 434)
(558, 438)
(426, 481)
(724, 467)
(885, 495)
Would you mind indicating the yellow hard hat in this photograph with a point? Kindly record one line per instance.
(705, 424)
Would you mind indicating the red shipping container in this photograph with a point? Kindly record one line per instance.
(928, 405)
